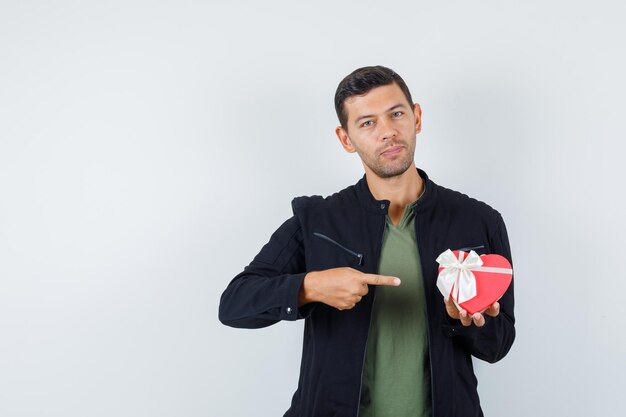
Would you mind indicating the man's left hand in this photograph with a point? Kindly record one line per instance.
(466, 319)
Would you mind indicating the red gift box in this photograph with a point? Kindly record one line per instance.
(473, 282)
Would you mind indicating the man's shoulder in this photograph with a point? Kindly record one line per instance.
(453, 200)
(347, 196)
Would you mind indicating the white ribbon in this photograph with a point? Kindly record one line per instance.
(457, 275)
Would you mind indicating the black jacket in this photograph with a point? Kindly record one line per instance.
(346, 229)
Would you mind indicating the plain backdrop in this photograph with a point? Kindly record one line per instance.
(148, 149)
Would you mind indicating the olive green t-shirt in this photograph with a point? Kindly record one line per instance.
(396, 376)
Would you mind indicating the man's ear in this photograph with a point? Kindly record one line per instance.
(418, 118)
(342, 134)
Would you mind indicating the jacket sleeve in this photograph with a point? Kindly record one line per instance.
(492, 341)
(266, 291)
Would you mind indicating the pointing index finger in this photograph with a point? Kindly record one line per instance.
(373, 279)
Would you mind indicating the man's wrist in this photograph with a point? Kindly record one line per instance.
(305, 295)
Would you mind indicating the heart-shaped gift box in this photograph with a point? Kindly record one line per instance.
(473, 282)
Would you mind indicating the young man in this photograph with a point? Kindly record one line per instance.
(359, 266)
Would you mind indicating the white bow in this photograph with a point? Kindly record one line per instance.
(457, 275)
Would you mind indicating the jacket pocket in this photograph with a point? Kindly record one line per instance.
(356, 255)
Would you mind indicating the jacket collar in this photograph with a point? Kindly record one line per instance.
(368, 201)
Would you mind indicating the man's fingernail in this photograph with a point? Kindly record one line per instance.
(397, 282)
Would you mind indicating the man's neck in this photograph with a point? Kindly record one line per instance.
(400, 190)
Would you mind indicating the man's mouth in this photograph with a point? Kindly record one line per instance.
(394, 150)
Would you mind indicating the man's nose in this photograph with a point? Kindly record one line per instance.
(386, 129)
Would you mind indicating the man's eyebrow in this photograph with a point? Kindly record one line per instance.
(392, 108)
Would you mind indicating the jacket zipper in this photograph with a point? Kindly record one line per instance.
(430, 360)
(471, 248)
(358, 406)
(351, 252)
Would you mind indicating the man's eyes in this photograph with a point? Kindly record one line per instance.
(395, 115)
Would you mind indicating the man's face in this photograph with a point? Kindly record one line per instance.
(381, 128)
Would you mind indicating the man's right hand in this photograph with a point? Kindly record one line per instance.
(341, 288)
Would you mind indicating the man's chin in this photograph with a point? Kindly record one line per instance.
(391, 172)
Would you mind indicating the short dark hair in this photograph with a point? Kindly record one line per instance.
(361, 81)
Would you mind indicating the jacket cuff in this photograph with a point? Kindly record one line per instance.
(289, 309)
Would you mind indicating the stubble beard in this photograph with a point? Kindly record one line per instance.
(392, 168)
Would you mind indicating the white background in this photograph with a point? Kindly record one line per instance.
(148, 149)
